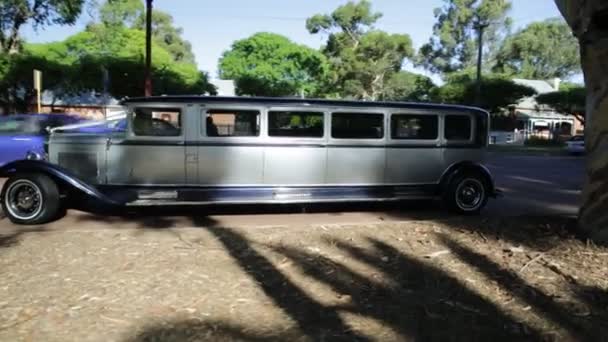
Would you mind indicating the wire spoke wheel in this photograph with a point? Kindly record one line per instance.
(24, 199)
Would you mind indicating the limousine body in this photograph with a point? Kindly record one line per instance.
(173, 150)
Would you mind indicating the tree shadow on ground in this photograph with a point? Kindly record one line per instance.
(420, 301)
(14, 238)
(588, 328)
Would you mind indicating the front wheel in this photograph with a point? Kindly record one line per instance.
(467, 194)
(31, 199)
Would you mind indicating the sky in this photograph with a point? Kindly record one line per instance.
(211, 25)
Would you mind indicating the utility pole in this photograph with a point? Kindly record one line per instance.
(479, 26)
(148, 70)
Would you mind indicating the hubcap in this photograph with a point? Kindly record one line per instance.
(24, 199)
(470, 194)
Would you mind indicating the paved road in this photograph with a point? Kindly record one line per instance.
(532, 185)
(536, 185)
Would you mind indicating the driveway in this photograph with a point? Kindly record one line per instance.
(532, 185)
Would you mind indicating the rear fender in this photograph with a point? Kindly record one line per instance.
(467, 167)
(59, 174)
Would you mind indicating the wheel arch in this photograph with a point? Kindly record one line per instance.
(65, 179)
(467, 167)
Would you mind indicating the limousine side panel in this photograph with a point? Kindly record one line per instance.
(355, 165)
(413, 165)
(294, 165)
(138, 162)
(231, 165)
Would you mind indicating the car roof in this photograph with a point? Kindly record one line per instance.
(296, 101)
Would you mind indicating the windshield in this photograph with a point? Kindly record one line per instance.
(19, 125)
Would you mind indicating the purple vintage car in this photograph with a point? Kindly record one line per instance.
(23, 136)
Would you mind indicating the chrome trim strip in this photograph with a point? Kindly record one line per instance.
(279, 201)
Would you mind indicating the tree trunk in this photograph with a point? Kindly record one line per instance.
(588, 19)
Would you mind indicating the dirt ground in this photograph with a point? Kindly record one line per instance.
(192, 279)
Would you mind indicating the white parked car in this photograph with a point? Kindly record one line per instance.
(576, 145)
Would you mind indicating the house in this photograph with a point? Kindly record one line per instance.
(533, 119)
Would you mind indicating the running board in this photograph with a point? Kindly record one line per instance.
(139, 196)
(140, 203)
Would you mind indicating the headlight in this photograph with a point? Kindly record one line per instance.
(31, 155)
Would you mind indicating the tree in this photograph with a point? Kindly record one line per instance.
(78, 63)
(542, 50)
(407, 86)
(362, 59)
(453, 45)
(15, 13)
(168, 36)
(268, 64)
(131, 14)
(123, 13)
(498, 92)
(570, 100)
(588, 19)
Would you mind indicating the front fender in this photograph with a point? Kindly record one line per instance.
(56, 172)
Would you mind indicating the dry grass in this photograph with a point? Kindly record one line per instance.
(450, 279)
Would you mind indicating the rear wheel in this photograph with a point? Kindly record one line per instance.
(467, 194)
(31, 199)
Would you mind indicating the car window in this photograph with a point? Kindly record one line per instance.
(357, 126)
(19, 125)
(232, 123)
(163, 122)
(457, 127)
(414, 127)
(295, 124)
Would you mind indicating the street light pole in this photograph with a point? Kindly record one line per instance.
(148, 70)
(479, 26)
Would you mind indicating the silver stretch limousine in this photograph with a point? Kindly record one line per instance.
(201, 150)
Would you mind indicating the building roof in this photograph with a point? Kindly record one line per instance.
(298, 101)
(540, 86)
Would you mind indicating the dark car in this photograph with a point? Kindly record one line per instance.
(23, 136)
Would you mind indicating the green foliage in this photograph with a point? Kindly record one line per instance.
(351, 18)
(498, 92)
(362, 59)
(570, 99)
(78, 63)
(268, 64)
(16, 81)
(167, 35)
(132, 14)
(453, 45)
(121, 12)
(407, 86)
(15, 13)
(542, 50)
